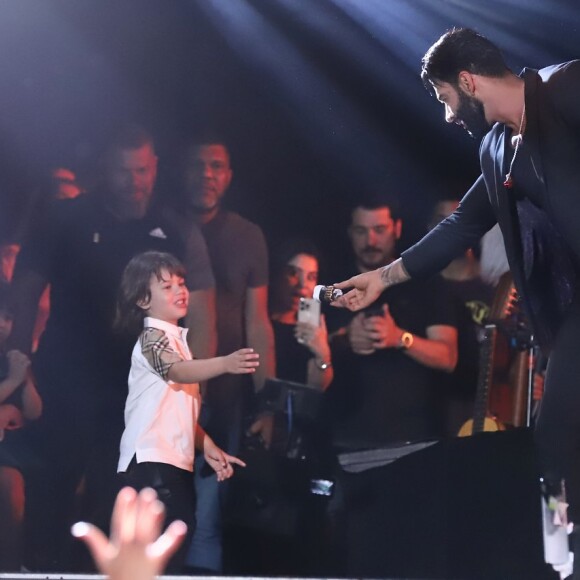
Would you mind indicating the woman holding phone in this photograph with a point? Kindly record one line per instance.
(302, 349)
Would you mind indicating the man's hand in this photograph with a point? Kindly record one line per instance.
(382, 330)
(359, 337)
(136, 550)
(367, 287)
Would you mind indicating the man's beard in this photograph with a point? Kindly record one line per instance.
(472, 116)
(197, 205)
(203, 209)
(371, 258)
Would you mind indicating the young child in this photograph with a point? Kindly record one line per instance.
(19, 402)
(161, 430)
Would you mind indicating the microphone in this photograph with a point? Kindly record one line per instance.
(326, 293)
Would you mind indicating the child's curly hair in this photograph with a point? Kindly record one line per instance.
(136, 287)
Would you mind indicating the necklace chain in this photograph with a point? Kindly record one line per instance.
(509, 182)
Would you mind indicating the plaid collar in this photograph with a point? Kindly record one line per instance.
(167, 327)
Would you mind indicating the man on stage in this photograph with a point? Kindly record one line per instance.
(530, 185)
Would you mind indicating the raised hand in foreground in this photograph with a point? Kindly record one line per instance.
(136, 549)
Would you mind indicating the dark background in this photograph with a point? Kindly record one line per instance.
(320, 99)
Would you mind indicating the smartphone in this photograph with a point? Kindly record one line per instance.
(309, 311)
(373, 311)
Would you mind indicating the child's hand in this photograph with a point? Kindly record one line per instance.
(136, 550)
(18, 364)
(242, 361)
(220, 461)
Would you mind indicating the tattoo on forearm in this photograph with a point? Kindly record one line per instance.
(394, 273)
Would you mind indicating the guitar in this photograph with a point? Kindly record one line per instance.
(502, 307)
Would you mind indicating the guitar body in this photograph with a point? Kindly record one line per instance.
(490, 424)
(482, 419)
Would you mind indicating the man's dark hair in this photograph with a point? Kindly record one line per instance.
(136, 287)
(130, 136)
(461, 49)
(209, 136)
(185, 147)
(372, 201)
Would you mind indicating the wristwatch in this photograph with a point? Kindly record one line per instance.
(322, 364)
(406, 341)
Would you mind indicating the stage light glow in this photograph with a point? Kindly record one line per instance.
(380, 45)
(301, 86)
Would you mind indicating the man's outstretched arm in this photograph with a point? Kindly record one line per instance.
(454, 235)
(367, 287)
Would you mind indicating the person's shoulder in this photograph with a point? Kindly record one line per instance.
(469, 290)
(151, 338)
(555, 72)
(242, 229)
(233, 219)
(62, 210)
(172, 228)
(61, 221)
(479, 285)
(560, 84)
(425, 285)
(560, 81)
(171, 217)
(426, 291)
(85, 204)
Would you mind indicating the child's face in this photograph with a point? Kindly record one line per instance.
(169, 298)
(5, 327)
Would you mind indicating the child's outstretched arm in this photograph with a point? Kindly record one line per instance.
(241, 361)
(220, 461)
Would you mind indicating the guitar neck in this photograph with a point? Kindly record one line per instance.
(486, 365)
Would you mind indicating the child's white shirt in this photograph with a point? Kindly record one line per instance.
(160, 415)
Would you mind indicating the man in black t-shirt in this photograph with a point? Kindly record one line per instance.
(81, 248)
(389, 358)
(391, 366)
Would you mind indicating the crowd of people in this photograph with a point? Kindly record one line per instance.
(385, 372)
(84, 409)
